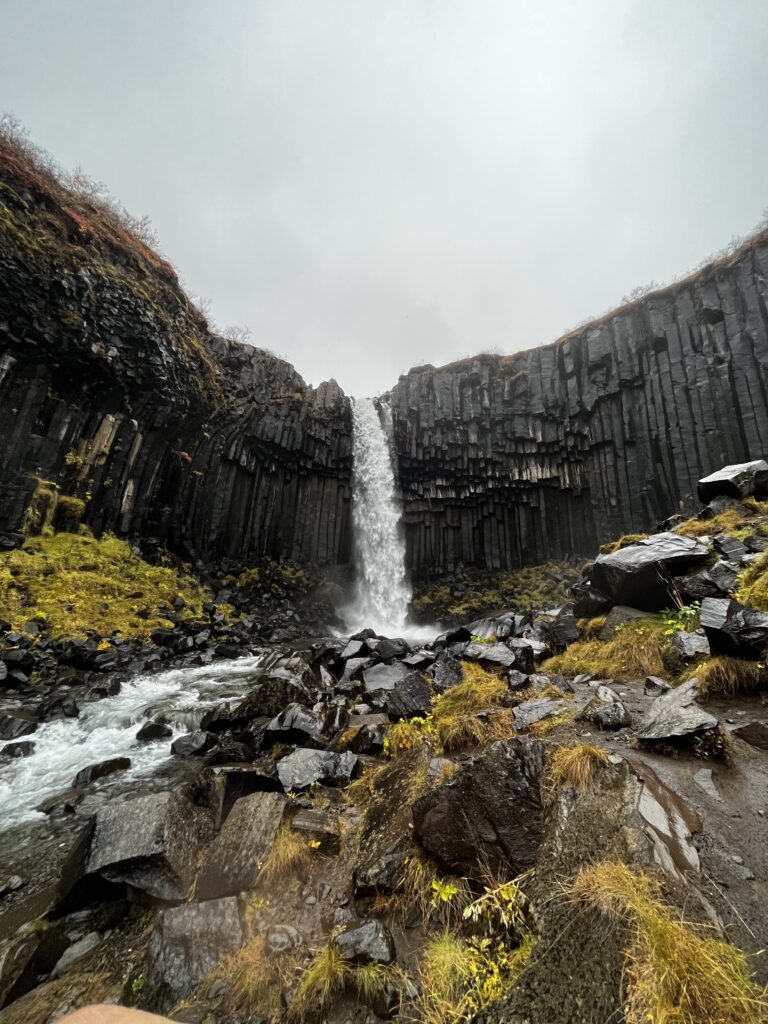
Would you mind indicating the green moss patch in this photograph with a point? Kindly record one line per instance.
(72, 583)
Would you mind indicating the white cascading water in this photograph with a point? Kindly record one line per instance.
(383, 593)
(107, 728)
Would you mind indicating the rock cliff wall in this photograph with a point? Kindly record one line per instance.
(112, 387)
(505, 460)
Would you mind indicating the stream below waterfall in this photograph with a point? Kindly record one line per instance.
(106, 728)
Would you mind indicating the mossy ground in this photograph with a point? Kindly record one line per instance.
(534, 586)
(72, 584)
(636, 649)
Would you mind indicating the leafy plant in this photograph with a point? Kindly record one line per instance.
(677, 620)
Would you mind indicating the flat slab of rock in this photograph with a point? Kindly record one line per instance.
(676, 713)
(384, 677)
(233, 861)
(304, 766)
(188, 942)
(691, 645)
(411, 697)
(148, 842)
(100, 771)
(490, 654)
(531, 711)
(636, 575)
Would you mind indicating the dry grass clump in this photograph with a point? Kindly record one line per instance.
(753, 584)
(329, 976)
(455, 712)
(72, 583)
(635, 649)
(675, 974)
(738, 521)
(729, 676)
(458, 978)
(289, 854)
(575, 766)
(408, 734)
(256, 979)
(545, 726)
(589, 628)
(623, 542)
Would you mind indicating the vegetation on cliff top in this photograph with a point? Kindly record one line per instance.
(70, 584)
(66, 222)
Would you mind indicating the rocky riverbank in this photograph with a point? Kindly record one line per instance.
(481, 826)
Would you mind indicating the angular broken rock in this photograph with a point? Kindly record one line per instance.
(739, 481)
(410, 698)
(188, 942)
(233, 861)
(489, 813)
(446, 672)
(149, 842)
(655, 685)
(370, 943)
(100, 771)
(691, 645)
(295, 723)
(304, 766)
(531, 711)
(676, 713)
(490, 654)
(606, 710)
(384, 677)
(734, 628)
(638, 575)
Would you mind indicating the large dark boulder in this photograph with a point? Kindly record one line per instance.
(232, 862)
(188, 942)
(295, 724)
(734, 628)
(148, 842)
(100, 771)
(489, 814)
(744, 480)
(305, 766)
(17, 723)
(410, 698)
(640, 575)
(384, 677)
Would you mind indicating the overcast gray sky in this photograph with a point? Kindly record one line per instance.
(373, 184)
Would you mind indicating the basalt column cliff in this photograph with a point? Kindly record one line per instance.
(511, 459)
(113, 391)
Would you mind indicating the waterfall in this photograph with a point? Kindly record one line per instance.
(383, 593)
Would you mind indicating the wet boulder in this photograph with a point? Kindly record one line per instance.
(383, 676)
(640, 575)
(446, 672)
(618, 617)
(396, 648)
(369, 738)
(295, 724)
(411, 697)
(220, 786)
(148, 842)
(744, 480)
(655, 686)
(151, 731)
(559, 627)
(490, 654)
(488, 814)
(232, 862)
(305, 766)
(23, 748)
(17, 723)
(675, 714)
(187, 943)
(100, 771)
(193, 744)
(370, 943)
(734, 628)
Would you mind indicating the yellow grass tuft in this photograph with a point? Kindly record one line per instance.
(623, 542)
(635, 650)
(454, 713)
(753, 584)
(729, 676)
(575, 766)
(675, 974)
(290, 853)
(329, 976)
(255, 980)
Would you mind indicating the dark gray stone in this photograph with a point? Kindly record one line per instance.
(187, 943)
(618, 617)
(490, 654)
(531, 711)
(639, 575)
(754, 733)
(295, 724)
(153, 731)
(194, 744)
(303, 767)
(384, 677)
(100, 771)
(675, 714)
(17, 723)
(232, 862)
(606, 710)
(734, 628)
(691, 645)
(149, 842)
(446, 672)
(370, 943)
(489, 813)
(655, 686)
(411, 697)
(742, 480)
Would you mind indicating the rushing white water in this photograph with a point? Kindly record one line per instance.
(383, 593)
(107, 728)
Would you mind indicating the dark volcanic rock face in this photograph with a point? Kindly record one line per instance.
(505, 460)
(112, 385)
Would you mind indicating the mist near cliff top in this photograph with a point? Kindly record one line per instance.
(369, 186)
